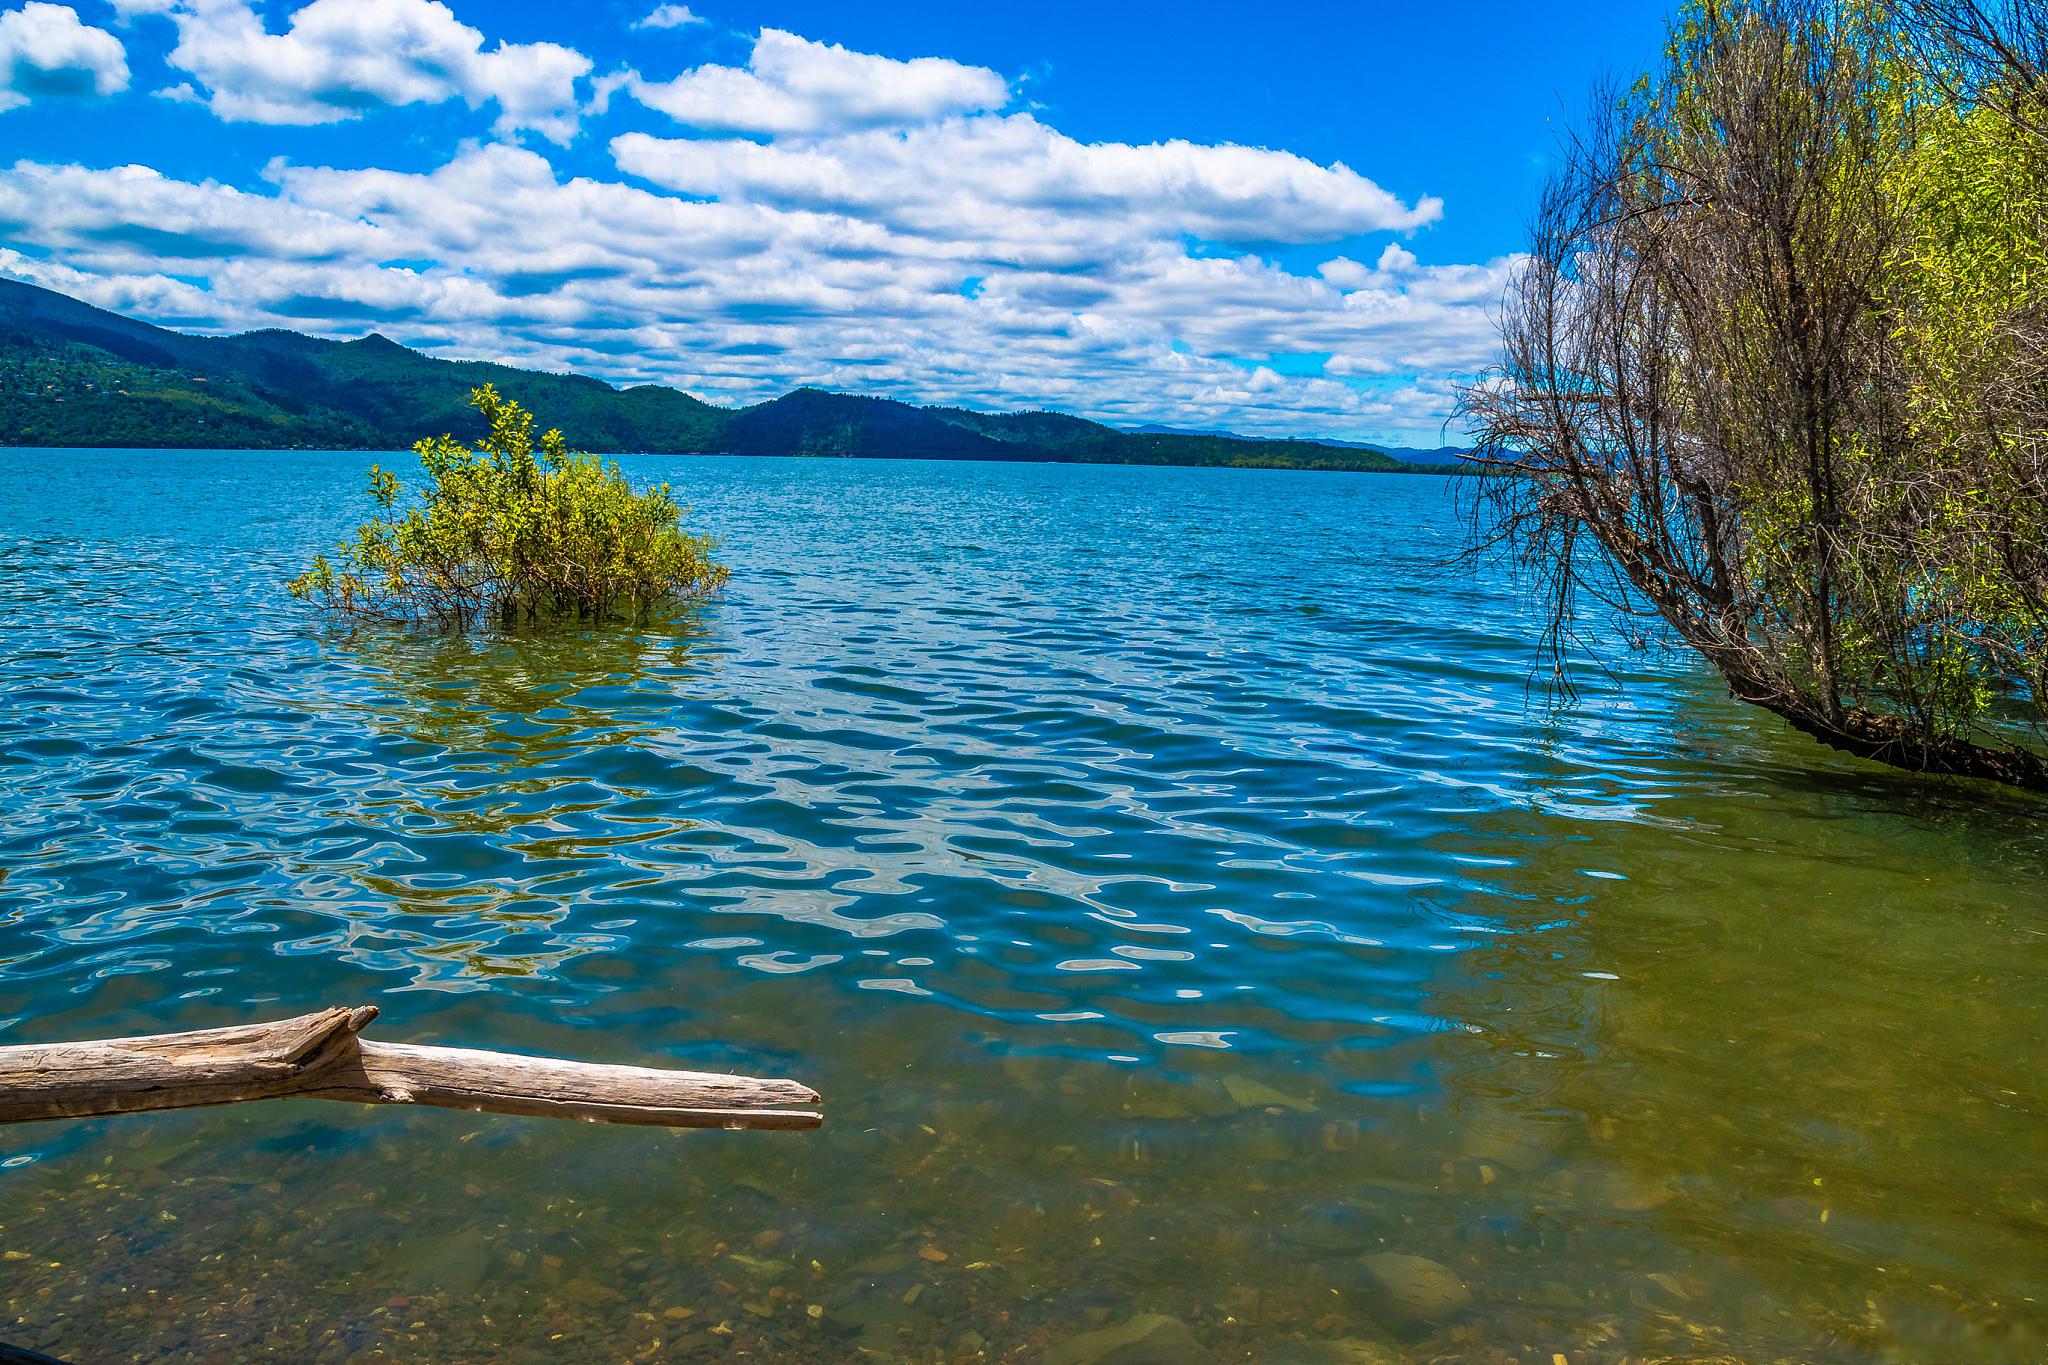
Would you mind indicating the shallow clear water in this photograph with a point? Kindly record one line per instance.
(1165, 875)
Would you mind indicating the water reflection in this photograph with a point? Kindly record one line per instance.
(520, 697)
(493, 810)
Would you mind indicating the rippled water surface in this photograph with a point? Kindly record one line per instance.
(1198, 935)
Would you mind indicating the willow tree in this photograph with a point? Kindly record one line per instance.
(1766, 379)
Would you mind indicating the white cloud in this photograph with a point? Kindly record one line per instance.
(669, 16)
(792, 85)
(959, 257)
(339, 58)
(157, 296)
(127, 216)
(1013, 178)
(739, 301)
(47, 52)
(1396, 259)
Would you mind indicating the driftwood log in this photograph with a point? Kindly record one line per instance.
(320, 1056)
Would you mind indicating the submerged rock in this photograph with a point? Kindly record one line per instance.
(1348, 1351)
(1626, 1191)
(888, 1263)
(1333, 1227)
(1147, 1339)
(455, 1263)
(1260, 1146)
(1517, 1231)
(759, 1268)
(879, 1318)
(1416, 1290)
(1516, 1143)
(1247, 1093)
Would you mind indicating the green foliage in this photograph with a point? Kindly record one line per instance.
(124, 382)
(513, 529)
(1973, 193)
(1965, 503)
(1777, 372)
(67, 394)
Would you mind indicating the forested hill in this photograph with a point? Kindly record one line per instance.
(75, 375)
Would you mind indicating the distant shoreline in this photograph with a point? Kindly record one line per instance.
(76, 377)
(399, 452)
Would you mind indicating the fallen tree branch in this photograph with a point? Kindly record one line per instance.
(320, 1056)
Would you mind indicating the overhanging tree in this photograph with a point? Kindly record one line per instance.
(1770, 375)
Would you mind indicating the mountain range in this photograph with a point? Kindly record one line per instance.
(1441, 455)
(75, 375)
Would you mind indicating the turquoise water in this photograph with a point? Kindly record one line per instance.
(1195, 923)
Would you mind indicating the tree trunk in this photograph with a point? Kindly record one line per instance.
(1889, 740)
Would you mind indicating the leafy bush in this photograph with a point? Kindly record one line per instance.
(512, 530)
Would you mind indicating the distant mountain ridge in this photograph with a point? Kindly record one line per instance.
(1445, 455)
(75, 375)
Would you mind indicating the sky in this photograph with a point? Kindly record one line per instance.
(1278, 220)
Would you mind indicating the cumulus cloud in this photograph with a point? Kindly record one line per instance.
(669, 16)
(47, 52)
(171, 301)
(901, 237)
(339, 58)
(1015, 178)
(128, 215)
(792, 85)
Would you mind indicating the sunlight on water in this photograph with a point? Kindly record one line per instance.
(1199, 933)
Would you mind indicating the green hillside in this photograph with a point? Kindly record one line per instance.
(75, 375)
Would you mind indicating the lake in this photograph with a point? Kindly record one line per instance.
(1205, 933)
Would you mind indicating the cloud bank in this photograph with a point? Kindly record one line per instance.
(817, 216)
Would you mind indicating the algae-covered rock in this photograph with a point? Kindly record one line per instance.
(1259, 1146)
(1326, 1228)
(1416, 1289)
(1147, 1339)
(757, 1268)
(1624, 1190)
(1348, 1351)
(453, 1262)
(1247, 1093)
(1504, 1139)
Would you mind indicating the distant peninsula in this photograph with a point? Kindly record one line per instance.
(79, 376)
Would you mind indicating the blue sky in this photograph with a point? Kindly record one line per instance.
(1294, 221)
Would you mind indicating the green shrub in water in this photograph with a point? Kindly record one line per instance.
(513, 529)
